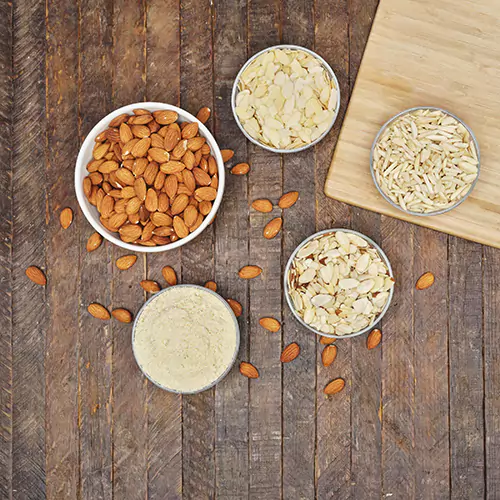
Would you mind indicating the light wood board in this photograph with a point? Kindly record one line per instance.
(423, 52)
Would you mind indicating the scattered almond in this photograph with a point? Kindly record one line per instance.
(122, 315)
(98, 311)
(248, 370)
(203, 115)
(327, 340)
(150, 286)
(169, 275)
(288, 199)
(334, 386)
(126, 262)
(36, 275)
(425, 281)
(94, 242)
(227, 154)
(271, 324)
(374, 338)
(273, 228)
(290, 352)
(329, 354)
(66, 217)
(262, 205)
(211, 285)
(236, 307)
(240, 169)
(249, 272)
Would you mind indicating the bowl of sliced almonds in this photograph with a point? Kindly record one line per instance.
(149, 177)
(338, 283)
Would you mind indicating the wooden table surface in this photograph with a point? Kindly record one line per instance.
(420, 415)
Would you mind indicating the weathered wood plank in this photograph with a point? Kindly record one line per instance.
(398, 372)
(299, 377)
(164, 408)
(231, 253)
(265, 181)
(130, 394)
(29, 301)
(432, 453)
(95, 382)
(198, 256)
(62, 337)
(466, 369)
(491, 301)
(6, 114)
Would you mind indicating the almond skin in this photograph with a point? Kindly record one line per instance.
(288, 199)
(271, 324)
(249, 272)
(241, 169)
(169, 275)
(122, 315)
(211, 285)
(98, 311)
(334, 386)
(248, 370)
(190, 130)
(236, 307)
(227, 154)
(204, 114)
(36, 275)
(206, 193)
(425, 281)
(150, 286)
(66, 217)
(262, 205)
(328, 355)
(327, 340)
(290, 352)
(374, 339)
(273, 228)
(126, 262)
(94, 242)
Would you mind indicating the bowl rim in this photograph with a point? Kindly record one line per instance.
(81, 163)
(236, 350)
(443, 210)
(287, 291)
(234, 93)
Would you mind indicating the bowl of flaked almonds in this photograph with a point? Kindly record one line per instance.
(338, 283)
(150, 176)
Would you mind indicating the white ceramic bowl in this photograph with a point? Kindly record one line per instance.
(85, 155)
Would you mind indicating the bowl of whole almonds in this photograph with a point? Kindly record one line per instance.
(338, 283)
(149, 177)
(285, 98)
(425, 161)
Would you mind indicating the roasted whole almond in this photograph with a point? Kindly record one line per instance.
(160, 219)
(227, 154)
(190, 130)
(165, 117)
(190, 215)
(126, 262)
(329, 354)
(130, 232)
(159, 155)
(128, 192)
(334, 386)
(290, 352)
(170, 185)
(36, 275)
(179, 204)
(125, 177)
(108, 166)
(189, 160)
(271, 324)
(262, 205)
(288, 199)
(128, 146)
(118, 120)
(327, 340)
(141, 148)
(107, 206)
(122, 315)
(66, 217)
(205, 149)
(133, 206)
(189, 180)
(203, 114)
(94, 242)
(273, 228)
(249, 272)
(248, 370)
(241, 169)
(142, 131)
(117, 219)
(150, 173)
(147, 232)
(172, 167)
(140, 120)
(425, 281)
(180, 228)
(164, 230)
(206, 193)
(163, 202)
(160, 240)
(98, 311)
(151, 202)
(150, 286)
(204, 207)
(125, 133)
(87, 187)
(171, 139)
(374, 339)
(157, 141)
(140, 188)
(201, 177)
(211, 285)
(169, 275)
(96, 178)
(215, 181)
(195, 143)
(235, 306)
(159, 181)
(212, 165)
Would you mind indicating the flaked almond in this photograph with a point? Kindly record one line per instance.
(271, 324)
(425, 281)
(329, 354)
(190, 131)
(122, 315)
(36, 275)
(334, 386)
(126, 262)
(327, 340)
(203, 114)
(98, 311)
(248, 370)
(169, 275)
(288, 199)
(262, 205)
(290, 352)
(211, 285)
(150, 286)
(66, 217)
(235, 306)
(240, 169)
(94, 242)
(180, 228)
(227, 154)
(249, 272)
(374, 339)
(273, 228)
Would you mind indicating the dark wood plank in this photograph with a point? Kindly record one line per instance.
(130, 394)
(6, 114)
(299, 377)
(466, 370)
(62, 337)
(231, 253)
(164, 408)
(398, 372)
(29, 301)
(96, 344)
(198, 256)
(432, 452)
(491, 301)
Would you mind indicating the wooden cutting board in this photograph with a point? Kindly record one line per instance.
(423, 52)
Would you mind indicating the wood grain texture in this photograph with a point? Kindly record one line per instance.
(96, 340)
(29, 315)
(231, 253)
(466, 370)
(62, 337)
(6, 122)
(164, 408)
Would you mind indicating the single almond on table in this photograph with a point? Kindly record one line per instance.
(66, 217)
(329, 354)
(249, 272)
(271, 324)
(98, 311)
(248, 370)
(169, 275)
(290, 352)
(262, 205)
(374, 339)
(94, 242)
(227, 154)
(211, 285)
(36, 275)
(235, 306)
(327, 340)
(150, 286)
(241, 169)
(126, 262)
(122, 315)
(425, 281)
(204, 114)
(288, 199)
(334, 386)
(273, 228)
